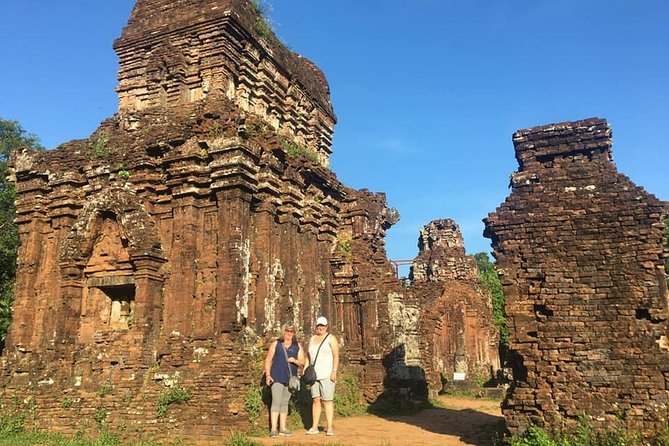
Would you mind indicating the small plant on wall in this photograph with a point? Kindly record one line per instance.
(98, 144)
(105, 389)
(345, 247)
(100, 415)
(122, 172)
(177, 395)
(294, 149)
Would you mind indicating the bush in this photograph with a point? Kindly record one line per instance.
(253, 402)
(347, 399)
(490, 281)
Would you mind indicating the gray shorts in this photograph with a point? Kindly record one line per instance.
(323, 389)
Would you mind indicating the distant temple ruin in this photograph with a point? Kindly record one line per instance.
(163, 252)
(458, 333)
(579, 249)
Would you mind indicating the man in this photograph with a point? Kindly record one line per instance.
(323, 351)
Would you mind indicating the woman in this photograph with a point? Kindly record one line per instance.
(323, 350)
(283, 354)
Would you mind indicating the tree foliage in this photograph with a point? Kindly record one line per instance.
(12, 137)
(490, 280)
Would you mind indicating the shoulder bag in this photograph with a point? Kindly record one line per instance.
(309, 375)
(294, 381)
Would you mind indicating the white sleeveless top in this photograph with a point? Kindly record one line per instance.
(324, 362)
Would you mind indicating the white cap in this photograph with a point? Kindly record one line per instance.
(321, 321)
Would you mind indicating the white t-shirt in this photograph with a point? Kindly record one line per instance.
(324, 362)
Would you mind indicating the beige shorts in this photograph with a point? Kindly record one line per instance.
(323, 389)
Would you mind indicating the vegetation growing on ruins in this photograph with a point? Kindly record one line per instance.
(176, 395)
(490, 280)
(105, 389)
(100, 415)
(215, 131)
(345, 246)
(263, 25)
(295, 149)
(122, 172)
(12, 137)
(253, 403)
(98, 144)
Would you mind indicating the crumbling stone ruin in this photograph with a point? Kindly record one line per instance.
(579, 249)
(458, 338)
(160, 255)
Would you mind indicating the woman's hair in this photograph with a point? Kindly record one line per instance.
(288, 326)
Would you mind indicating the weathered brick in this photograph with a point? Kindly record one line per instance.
(581, 239)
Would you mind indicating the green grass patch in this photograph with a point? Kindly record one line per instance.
(585, 434)
(240, 439)
(50, 439)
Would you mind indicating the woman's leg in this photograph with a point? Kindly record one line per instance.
(277, 398)
(283, 410)
(329, 413)
(327, 396)
(315, 412)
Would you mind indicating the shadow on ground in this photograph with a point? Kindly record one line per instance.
(469, 425)
(405, 400)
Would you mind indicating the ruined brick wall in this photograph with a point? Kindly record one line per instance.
(363, 286)
(579, 251)
(164, 251)
(158, 263)
(457, 333)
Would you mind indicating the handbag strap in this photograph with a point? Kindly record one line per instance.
(285, 352)
(313, 364)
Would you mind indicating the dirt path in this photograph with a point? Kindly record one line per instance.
(460, 422)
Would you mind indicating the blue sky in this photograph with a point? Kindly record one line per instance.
(427, 92)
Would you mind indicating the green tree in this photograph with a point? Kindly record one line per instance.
(12, 137)
(490, 280)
